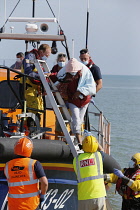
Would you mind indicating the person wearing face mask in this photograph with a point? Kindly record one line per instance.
(33, 93)
(80, 88)
(42, 53)
(128, 183)
(61, 61)
(18, 63)
(95, 70)
(96, 73)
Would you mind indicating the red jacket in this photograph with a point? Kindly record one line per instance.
(72, 88)
(54, 73)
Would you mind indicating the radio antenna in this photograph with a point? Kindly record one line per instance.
(87, 24)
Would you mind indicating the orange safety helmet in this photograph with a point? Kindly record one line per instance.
(23, 147)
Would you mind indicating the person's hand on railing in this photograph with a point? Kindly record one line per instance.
(35, 75)
(100, 148)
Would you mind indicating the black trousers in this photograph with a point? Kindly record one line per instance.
(131, 204)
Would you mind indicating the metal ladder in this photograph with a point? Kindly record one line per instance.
(42, 67)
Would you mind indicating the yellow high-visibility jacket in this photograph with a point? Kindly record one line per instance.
(89, 170)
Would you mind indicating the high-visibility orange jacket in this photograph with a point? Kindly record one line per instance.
(23, 184)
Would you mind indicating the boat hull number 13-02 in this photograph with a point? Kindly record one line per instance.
(59, 203)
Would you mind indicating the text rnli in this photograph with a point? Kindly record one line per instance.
(87, 162)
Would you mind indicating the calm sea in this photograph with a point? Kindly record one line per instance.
(119, 99)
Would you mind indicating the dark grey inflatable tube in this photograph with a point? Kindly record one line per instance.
(50, 150)
(43, 149)
(109, 163)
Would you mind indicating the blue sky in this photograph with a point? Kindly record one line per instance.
(114, 31)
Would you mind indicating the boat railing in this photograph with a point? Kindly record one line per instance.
(20, 102)
(100, 125)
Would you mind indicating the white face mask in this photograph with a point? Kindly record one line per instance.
(61, 64)
(44, 57)
(18, 60)
(73, 73)
(84, 62)
(131, 164)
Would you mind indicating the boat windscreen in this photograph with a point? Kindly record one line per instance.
(7, 97)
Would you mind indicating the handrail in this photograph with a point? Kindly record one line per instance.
(103, 128)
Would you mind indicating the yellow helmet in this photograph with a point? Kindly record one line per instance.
(90, 144)
(136, 158)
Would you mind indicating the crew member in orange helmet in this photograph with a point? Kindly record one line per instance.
(23, 175)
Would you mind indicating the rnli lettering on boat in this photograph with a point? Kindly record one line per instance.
(87, 162)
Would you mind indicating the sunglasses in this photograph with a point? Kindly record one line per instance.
(84, 51)
(61, 55)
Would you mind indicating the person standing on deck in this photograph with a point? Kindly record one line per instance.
(23, 175)
(128, 183)
(95, 70)
(18, 63)
(88, 167)
(61, 62)
(80, 87)
(33, 93)
(96, 73)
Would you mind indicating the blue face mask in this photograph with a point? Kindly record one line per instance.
(84, 62)
(61, 64)
(44, 58)
(131, 164)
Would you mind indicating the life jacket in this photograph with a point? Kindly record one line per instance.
(35, 81)
(54, 73)
(124, 190)
(72, 88)
(23, 184)
(33, 92)
(89, 170)
(37, 56)
(35, 52)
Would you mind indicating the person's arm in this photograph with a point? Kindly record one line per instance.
(86, 84)
(39, 171)
(44, 184)
(110, 178)
(96, 72)
(28, 67)
(133, 184)
(100, 148)
(13, 66)
(61, 74)
(77, 94)
(98, 85)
